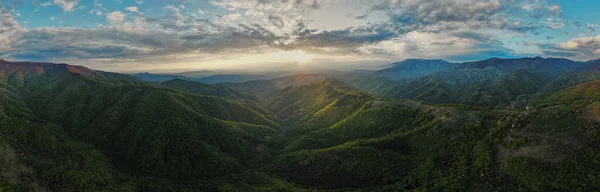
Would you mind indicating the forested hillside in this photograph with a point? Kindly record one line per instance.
(70, 128)
(488, 82)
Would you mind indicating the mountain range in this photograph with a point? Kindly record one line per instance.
(526, 124)
(488, 82)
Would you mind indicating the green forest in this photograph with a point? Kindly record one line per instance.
(70, 128)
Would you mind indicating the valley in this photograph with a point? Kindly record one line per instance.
(420, 125)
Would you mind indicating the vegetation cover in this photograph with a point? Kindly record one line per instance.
(69, 128)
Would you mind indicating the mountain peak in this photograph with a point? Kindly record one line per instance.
(493, 59)
(334, 82)
(412, 68)
(413, 61)
(23, 68)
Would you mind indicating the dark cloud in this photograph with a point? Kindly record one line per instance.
(276, 20)
(442, 16)
(554, 50)
(348, 39)
(479, 37)
(485, 47)
(590, 27)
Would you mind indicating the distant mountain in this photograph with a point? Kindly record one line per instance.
(413, 68)
(229, 78)
(281, 82)
(589, 71)
(156, 78)
(217, 90)
(197, 74)
(488, 82)
(211, 79)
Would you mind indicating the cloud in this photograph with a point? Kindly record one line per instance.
(66, 5)
(556, 51)
(555, 9)
(231, 17)
(583, 48)
(132, 9)
(459, 30)
(96, 12)
(139, 2)
(116, 17)
(98, 4)
(588, 47)
(591, 27)
(555, 23)
(10, 28)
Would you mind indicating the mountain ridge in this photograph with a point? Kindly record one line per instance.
(100, 132)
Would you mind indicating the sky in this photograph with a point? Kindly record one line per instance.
(183, 35)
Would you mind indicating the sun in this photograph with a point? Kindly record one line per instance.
(300, 56)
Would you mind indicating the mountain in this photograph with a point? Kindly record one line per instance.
(217, 90)
(488, 82)
(229, 78)
(146, 130)
(281, 82)
(155, 77)
(211, 78)
(70, 128)
(413, 68)
(327, 102)
(406, 145)
(585, 92)
(197, 74)
(589, 71)
(255, 91)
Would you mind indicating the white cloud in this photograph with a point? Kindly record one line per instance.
(97, 12)
(529, 7)
(421, 45)
(115, 18)
(555, 23)
(46, 4)
(66, 5)
(97, 4)
(10, 28)
(554, 8)
(231, 17)
(582, 48)
(139, 2)
(132, 9)
(582, 43)
(52, 18)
